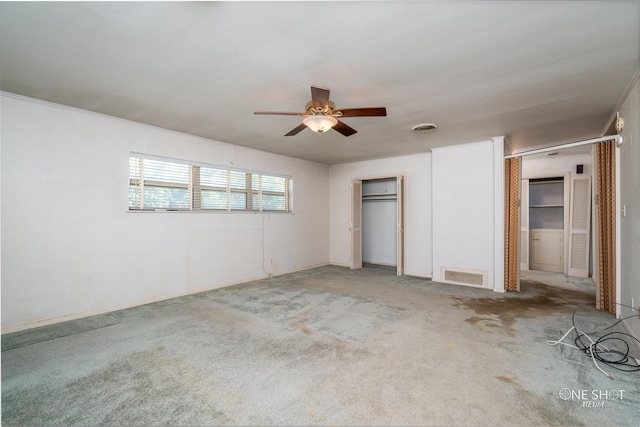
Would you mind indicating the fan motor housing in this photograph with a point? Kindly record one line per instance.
(310, 109)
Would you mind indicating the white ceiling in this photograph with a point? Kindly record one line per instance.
(539, 72)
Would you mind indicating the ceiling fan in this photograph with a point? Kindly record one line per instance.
(320, 114)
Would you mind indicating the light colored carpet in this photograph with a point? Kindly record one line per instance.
(327, 346)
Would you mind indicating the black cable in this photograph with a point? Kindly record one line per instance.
(621, 360)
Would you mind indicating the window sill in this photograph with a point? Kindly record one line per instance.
(204, 211)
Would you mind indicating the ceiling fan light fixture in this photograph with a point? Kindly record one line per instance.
(320, 114)
(320, 123)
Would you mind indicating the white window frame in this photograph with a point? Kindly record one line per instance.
(195, 188)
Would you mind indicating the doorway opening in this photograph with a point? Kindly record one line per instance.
(546, 223)
(377, 223)
(603, 181)
(555, 220)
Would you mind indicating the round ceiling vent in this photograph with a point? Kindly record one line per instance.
(424, 127)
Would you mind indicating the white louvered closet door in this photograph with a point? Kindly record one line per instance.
(579, 225)
(355, 225)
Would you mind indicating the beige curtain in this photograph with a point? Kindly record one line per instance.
(606, 210)
(512, 225)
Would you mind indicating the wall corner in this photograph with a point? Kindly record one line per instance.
(498, 209)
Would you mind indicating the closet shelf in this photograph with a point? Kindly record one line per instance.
(379, 195)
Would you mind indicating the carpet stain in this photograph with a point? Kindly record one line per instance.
(509, 380)
(475, 320)
(534, 300)
(328, 349)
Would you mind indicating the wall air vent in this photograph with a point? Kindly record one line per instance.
(464, 276)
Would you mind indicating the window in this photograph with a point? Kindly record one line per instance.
(167, 184)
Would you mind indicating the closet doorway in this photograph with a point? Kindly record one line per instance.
(546, 223)
(555, 220)
(377, 222)
(598, 215)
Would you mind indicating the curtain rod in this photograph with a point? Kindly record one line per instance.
(568, 145)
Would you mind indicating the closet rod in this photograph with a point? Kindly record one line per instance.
(568, 145)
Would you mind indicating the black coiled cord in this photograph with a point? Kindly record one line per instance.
(619, 356)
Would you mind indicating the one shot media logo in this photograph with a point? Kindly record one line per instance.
(591, 398)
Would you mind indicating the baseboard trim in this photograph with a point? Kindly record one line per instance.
(628, 330)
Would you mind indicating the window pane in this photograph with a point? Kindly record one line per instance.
(238, 200)
(134, 168)
(238, 180)
(155, 170)
(166, 198)
(134, 182)
(214, 199)
(255, 181)
(134, 196)
(272, 202)
(213, 177)
(273, 183)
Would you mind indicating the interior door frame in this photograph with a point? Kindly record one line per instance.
(355, 227)
(525, 262)
(594, 221)
(400, 225)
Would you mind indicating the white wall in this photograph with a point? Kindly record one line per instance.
(71, 249)
(630, 199)
(417, 202)
(467, 211)
(555, 166)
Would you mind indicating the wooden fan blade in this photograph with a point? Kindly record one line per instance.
(319, 96)
(296, 130)
(363, 112)
(279, 113)
(344, 129)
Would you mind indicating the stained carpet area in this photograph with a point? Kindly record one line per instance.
(326, 346)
